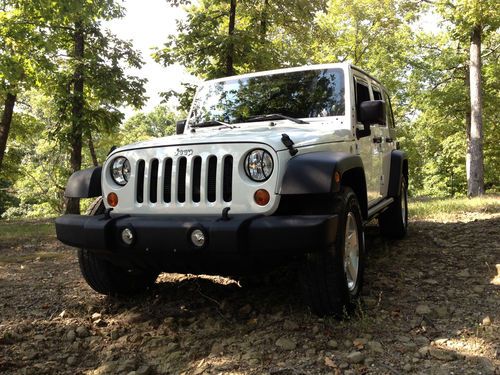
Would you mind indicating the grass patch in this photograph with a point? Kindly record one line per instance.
(38, 255)
(26, 230)
(448, 208)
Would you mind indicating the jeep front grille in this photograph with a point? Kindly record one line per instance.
(184, 179)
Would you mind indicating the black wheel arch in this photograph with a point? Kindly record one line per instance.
(398, 170)
(321, 174)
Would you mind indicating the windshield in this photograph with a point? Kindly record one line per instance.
(302, 94)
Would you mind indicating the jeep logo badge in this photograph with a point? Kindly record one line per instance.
(183, 152)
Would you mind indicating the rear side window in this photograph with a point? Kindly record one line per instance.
(377, 95)
(362, 94)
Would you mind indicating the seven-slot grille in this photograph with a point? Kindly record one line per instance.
(185, 180)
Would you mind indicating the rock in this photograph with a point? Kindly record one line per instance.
(109, 367)
(421, 340)
(375, 346)
(486, 365)
(286, 343)
(115, 334)
(369, 361)
(355, 357)
(96, 316)
(71, 360)
(132, 373)
(39, 337)
(423, 310)
(486, 321)
(478, 289)
(217, 348)
(359, 342)
(423, 351)
(332, 344)
(441, 354)
(290, 325)
(404, 339)
(349, 372)
(407, 367)
(343, 365)
(441, 311)
(464, 273)
(82, 332)
(347, 343)
(100, 323)
(71, 335)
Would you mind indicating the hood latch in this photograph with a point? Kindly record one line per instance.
(285, 139)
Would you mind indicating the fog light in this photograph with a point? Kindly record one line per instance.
(261, 197)
(112, 199)
(198, 238)
(127, 236)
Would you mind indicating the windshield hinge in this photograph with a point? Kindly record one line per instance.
(289, 144)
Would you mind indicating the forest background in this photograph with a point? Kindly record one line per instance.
(65, 82)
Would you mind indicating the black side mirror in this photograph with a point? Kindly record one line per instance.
(180, 126)
(372, 112)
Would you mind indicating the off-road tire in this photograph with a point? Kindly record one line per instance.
(393, 222)
(323, 278)
(107, 278)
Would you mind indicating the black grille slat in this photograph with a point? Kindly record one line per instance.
(181, 180)
(227, 179)
(140, 181)
(167, 181)
(212, 178)
(196, 181)
(153, 181)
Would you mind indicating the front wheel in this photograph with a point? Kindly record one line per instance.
(105, 277)
(332, 278)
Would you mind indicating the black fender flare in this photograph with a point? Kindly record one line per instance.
(314, 173)
(84, 184)
(399, 168)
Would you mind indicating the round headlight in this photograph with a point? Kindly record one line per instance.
(259, 165)
(120, 170)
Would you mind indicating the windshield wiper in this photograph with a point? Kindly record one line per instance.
(209, 123)
(275, 116)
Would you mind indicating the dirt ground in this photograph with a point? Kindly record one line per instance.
(431, 305)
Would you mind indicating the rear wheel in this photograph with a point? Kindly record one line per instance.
(332, 279)
(394, 221)
(105, 277)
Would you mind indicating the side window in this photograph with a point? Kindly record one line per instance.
(362, 93)
(377, 95)
(390, 115)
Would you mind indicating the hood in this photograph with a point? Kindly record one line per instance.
(301, 134)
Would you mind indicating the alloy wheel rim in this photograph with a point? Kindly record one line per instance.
(351, 252)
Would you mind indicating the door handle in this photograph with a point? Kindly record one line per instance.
(389, 140)
(377, 139)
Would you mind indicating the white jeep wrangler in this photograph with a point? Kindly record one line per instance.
(269, 167)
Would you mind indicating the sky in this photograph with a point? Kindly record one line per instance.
(147, 24)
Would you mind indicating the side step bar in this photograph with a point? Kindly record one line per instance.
(379, 207)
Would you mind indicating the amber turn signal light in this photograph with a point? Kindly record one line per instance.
(112, 199)
(261, 197)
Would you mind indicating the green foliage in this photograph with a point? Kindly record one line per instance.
(158, 123)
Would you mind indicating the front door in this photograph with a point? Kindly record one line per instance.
(368, 149)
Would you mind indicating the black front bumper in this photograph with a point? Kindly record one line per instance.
(241, 234)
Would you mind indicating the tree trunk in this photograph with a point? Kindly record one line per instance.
(475, 167)
(92, 151)
(8, 111)
(230, 48)
(263, 22)
(73, 204)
